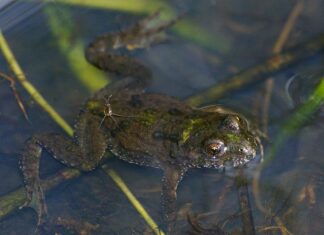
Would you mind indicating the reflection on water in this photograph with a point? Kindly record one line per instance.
(290, 185)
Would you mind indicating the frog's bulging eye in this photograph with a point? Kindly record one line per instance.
(215, 148)
(232, 123)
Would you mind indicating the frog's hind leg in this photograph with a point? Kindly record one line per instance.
(83, 152)
(30, 169)
(105, 52)
(61, 148)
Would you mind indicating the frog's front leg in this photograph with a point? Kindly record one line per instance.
(84, 152)
(172, 177)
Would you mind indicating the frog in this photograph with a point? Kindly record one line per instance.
(147, 129)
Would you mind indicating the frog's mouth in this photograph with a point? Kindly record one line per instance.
(246, 155)
(250, 161)
(230, 170)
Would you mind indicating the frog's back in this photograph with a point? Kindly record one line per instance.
(136, 102)
(143, 125)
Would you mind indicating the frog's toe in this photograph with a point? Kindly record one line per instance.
(147, 32)
(36, 201)
(43, 229)
(154, 24)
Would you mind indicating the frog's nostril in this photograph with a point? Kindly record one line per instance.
(242, 150)
(245, 150)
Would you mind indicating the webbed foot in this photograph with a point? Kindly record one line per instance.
(197, 229)
(106, 51)
(71, 152)
(30, 167)
(146, 32)
(36, 201)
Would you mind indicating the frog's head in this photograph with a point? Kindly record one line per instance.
(224, 140)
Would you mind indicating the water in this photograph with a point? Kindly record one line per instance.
(243, 34)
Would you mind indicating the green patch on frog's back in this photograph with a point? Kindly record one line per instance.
(189, 126)
(233, 138)
(94, 106)
(148, 117)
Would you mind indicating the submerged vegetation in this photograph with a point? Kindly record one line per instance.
(63, 29)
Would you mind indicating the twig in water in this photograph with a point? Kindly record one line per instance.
(12, 82)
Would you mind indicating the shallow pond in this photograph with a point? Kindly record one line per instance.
(214, 41)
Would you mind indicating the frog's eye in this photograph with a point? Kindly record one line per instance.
(215, 148)
(232, 123)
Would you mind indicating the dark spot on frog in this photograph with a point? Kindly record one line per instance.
(172, 155)
(159, 135)
(123, 124)
(174, 138)
(69, 148)
(110, 146)
(114, 132)
(174, 111)
(150, 111)
(136, 101)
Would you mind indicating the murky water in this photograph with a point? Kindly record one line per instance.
(225, 38)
